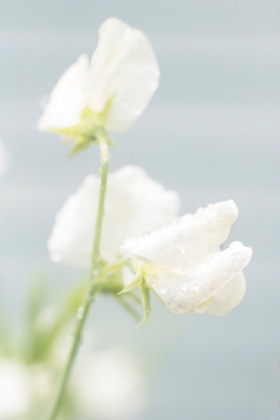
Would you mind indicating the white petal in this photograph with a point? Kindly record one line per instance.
(68, 98)
(228, 297)
(124, 69)
(72, 236)
(15, 390)
(134, 203)
(189, 240)
(184, 293)
(109, 385)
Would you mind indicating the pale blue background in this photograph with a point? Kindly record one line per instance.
(212, 132)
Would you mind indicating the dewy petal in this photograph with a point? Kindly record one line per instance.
(68, 98)
(184, 293)
(134, 204)
(124, 70)
(189, 240)
(228, 297)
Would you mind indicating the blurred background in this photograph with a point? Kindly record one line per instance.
(211, 132)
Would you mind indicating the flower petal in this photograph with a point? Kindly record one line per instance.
(189, 240)
(68, 98)
(184, 293)
(134, 203)
(124, 69)
(228, 297)
(72, 236)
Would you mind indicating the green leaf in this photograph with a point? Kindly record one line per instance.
(145, 291)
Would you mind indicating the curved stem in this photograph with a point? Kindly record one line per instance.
(94, 285)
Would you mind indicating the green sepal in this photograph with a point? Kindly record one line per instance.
(82, 145)
(137, 281)
(86, 131)
(145, 294)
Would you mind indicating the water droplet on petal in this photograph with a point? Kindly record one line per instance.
(145, 233)
(180, 243)
(182, 305)
(163, 290)
(235, 247)
(172, 303)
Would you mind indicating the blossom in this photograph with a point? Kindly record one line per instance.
(110, 91)
(185, 267)
(109, 385)
(134, 204)
(15, 392)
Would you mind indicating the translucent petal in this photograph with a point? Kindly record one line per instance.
(186, 292)
(124, 69)
(68, 98)
(72, 236)
(228, 297)
(134, 204)
(189, 240)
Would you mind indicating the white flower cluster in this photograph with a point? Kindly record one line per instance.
(182, 262)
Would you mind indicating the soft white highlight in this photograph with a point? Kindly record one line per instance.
(15, 392)
(110, 385)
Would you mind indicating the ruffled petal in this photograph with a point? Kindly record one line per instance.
(124, 70)
(134, 204)
(189, 240)
(68, 98)
(186, 292)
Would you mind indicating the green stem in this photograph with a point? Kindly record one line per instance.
(94, 286)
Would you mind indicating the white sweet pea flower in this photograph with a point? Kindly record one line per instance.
(185, 267)
(134, 204)
(109, 385)
(110, 91)
(15, 391)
